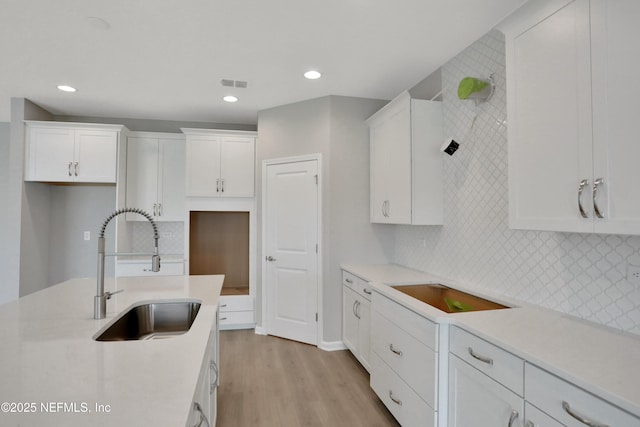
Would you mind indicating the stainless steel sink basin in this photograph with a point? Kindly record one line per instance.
(151, 321)
(447, 299)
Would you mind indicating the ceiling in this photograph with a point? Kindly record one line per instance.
(164, 59)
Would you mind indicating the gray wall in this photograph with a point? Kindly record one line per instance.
(333, 126)
(6, 293)
(154, 125)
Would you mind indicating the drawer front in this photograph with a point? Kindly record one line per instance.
(425, 331)
(497, 363)
(548, 392)
(405, 405)
(364, 289)
(413, 361)
(536, 418)
(235, 303)
(350, 280)
(236, 318)
(136, 269)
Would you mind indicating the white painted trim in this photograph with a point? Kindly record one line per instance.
(260, 330)
(332, 346)
(263, 287)
(238, 326)
(220, 132)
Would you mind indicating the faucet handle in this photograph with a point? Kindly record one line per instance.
(108, 295)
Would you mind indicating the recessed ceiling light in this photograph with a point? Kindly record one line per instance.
(312, 74)
(230, 98)
(66, 88)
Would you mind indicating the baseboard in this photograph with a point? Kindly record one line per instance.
(234, 327)
(260, 330)
(332, 345)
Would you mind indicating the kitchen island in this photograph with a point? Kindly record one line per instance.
(54, 373)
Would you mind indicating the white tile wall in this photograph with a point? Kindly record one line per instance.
(171, 237)
(580, 274)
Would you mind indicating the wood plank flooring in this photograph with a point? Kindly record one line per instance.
(268, 381)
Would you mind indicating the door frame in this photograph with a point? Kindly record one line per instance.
(264, 284)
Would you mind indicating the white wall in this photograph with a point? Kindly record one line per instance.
(579, 274)
(335, 127)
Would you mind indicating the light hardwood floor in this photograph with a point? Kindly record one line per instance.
(269, 381)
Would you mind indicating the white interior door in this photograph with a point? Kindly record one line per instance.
(291, 238)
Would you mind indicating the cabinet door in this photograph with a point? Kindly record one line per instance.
(237, 166)
(390, 142)
(477, 400)
(349, 320)
(364, 333)
(549, 109)
(616, 66)
(203, 166)
(142, 176)
(50, 155)
(536, 418)
(171, 178)
(95, 156)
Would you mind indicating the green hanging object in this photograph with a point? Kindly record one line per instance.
(474, 88)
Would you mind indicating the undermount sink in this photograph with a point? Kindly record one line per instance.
(447, 299)
(152, 320)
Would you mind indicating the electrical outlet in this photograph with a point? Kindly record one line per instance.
(633, 274)
(87, 235)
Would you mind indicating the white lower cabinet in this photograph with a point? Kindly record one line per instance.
(142, 267)
(534, 417)
(205, 399)
(237, 312)
(569, 404)
(356, 317)
(404, 354)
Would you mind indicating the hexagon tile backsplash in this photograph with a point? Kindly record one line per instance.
(580, 274)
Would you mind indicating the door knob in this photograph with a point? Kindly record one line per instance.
(270, 258)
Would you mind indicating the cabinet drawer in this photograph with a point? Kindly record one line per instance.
(425, 331)
(236, 318)
(364, 289)
(499, 364)
(350, 280)
(413, 361)
(135, 269)
(548, 392)
(235, 303)
(405, 405)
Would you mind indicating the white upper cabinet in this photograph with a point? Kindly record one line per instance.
(406, 162)
(220, 163)
(71, 152)
(571, 118)
(155, 175)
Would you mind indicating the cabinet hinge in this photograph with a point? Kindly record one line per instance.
(316, 177)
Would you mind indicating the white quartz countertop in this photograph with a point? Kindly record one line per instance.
(601, 360)
(53, 368)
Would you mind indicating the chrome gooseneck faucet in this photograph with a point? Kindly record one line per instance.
(100, 300)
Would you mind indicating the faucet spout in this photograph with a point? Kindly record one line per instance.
(100, 300)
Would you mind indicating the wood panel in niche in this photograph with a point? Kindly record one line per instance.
(219, 244)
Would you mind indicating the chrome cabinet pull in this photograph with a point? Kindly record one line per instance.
(203, 417)
(512, 418)
(348, 281)
(529, 423)
(396, 401)
(393, 350)
(366, 291)
(214, 383)
(384, 214)
(353, 309)
(583, 420)
(217, 185)
(597, 183)
(155, 209)
(159, 209)
(70, 164)
(75, 169)
(583, 184)
(358, 309)
(222, 186)
(483, 359)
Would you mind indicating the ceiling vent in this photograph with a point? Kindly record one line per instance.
(234, 83)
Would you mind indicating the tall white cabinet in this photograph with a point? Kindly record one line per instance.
(156, 175)
(406, 162)
(570, 68)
